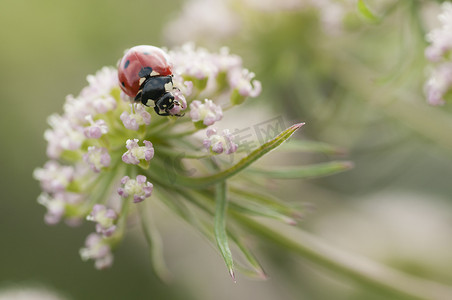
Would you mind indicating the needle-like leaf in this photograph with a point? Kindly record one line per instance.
(309, 171)
(221, 235)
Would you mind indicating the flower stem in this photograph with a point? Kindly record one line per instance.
(181, 134)
(155, 244)
(183, 153)
(381, 279)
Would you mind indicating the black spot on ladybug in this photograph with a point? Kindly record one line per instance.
(126, 64)
(123, 84)
(145, 72)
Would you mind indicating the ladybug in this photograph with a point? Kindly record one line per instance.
(145, 73)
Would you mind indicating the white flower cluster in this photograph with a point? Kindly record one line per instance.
(203, 18)
(438, 87)
(219, 19)
(98, 138)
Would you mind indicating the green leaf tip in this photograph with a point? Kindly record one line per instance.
(308, 146)
(231, 272)
(366, 13)
(295, 126)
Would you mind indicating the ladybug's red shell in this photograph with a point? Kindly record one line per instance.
(137, 58)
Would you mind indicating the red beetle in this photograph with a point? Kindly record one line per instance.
(145, 73)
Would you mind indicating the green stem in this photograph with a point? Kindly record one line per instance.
(155, 245)
(183, 153)
(382, 279)
(101, 187)
(121, 225)
(180, 134)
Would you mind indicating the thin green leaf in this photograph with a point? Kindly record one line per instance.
(311, 146)
(304, 172)
(257, 271)
(366, 13)
(173, 177)
(173, 202)
(261, 211)
(205, 228)
(201, 201)
(266, 200)
(155, 245)
(221, 236)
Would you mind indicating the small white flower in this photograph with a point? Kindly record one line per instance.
(64, 135)
(56, 208)
(193, 62)
(104, 104)
(207, 113)
(439, 84)
(105, 218)
(97, 158)
(96, 129)
(54, 177)
(101, 83)
(220, 143)
(76, 109)
(56, 205)
(135, 153)
(140, 188)
(242, 81)
(135, 119)
(97, 249)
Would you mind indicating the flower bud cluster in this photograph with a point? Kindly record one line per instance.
(97, 249)
(139, 116)
(219, 143)
(136, 154)
(104, 218)
(138, 188)
(205, 114)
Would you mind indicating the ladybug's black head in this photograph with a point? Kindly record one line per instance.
(157, 89)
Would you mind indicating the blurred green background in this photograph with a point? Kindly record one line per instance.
(394, 206)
